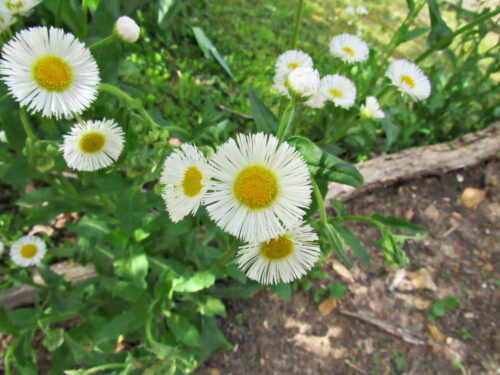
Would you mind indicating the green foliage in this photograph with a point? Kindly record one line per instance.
(440, 306)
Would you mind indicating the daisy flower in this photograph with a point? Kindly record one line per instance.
(361, 10)
(93, 145)
(127, 29)
(349, 48)
(291, 60)
(27, 251)
(49, 71)
(316, 101)
(260, 187)
(371, 109)
(6, 19)
(281, 83)
(303, 83)
(185, 176)
(409, 79)
(281, 259)
(338, 89)
(17, 7)
(349, 10)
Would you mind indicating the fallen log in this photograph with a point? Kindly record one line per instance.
(386, 170)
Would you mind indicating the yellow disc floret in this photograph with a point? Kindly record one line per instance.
(92, 142)
(407, 80)
(293, 65)
(14, 5)
(191, 183)
(336, 93)
(52, 73)
(348, 50)
(277, 249)
(28, 251)
(255, 187)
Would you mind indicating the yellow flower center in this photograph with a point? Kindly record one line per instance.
(348, 50)
(28, 251)
(407, 80)
(255, 187)
(14, 5)
(277, 249)
(293, 65)
(52, 73)
(336, 93)
(92, 142)
(286, 84)
(191, 183)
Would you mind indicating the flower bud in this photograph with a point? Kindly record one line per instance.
(303, 83)
(127, 29)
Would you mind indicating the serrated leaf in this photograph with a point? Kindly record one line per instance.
(265, 120)
(208, 48)
(325, 165)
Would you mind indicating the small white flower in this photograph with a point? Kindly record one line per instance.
(3, 137)
(27, 251)
(361, 10)
(291, 60)
(281, 259)
(371, 109)
(6, 19)
(409, 79)
(280, 83)
(303, 83)
(127, 29)
(185, 176)
(349, 48)
(260, 187)
(338, 89)
(349, 10)
(94, 146)
(317, 101)
(18, 7)
(49, 71)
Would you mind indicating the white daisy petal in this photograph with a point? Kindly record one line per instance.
(303, 83)
(409, 79)
(28, 251)
(349, 48)
(338, 89)
(49, 71)
(94, 146)
(291, 60)
(260, 187)
(281, 259)
(361, 10)
(371, 109)
(6, 19)
(280, 83)
(185, 176)
(127, 29)
(18, 7)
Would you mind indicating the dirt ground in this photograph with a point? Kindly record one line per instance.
(459, 258)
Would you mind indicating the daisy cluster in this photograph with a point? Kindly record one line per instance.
(296, 78)
(50, 72)
(255, 188)
(10, 10)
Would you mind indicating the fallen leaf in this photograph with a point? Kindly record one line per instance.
(471, 198)
(431, 212)
(422, 279)
(327, 306)
(435, 333)
(342, 272)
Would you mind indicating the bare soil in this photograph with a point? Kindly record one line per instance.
(461, 253)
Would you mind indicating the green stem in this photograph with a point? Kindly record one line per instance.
(449, 39)
(286, 120)
(298, 18)
(79, 118)
(321, 203)
(107, 366)
(103, 41)
(26, 125)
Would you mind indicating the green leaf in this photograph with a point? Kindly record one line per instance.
(134, 268)
(6, 326)
(265, 120)
(50, 277)
(284, 290)
(338, 207)
(408, 35)
(325, 165)
(212, 307)
(337, 290)
(119, 325)
(199, 281)
(393, 254)
(398, 223)
(391, 131)
(71, 14)
(452, 302)
(439, 28)
(236, 290)
(411, 4)
(208, 48)
(164, 7)
(53, 339)
(356, 246)
(184, 331)
(333, 238)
